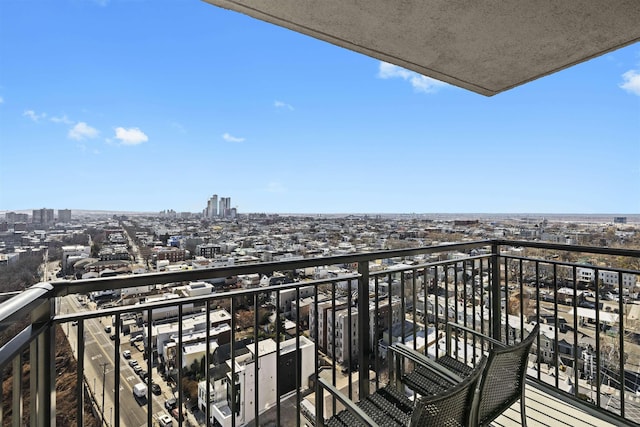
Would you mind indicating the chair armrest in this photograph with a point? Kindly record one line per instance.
(451, 325)
(348, 403)
(423, 360)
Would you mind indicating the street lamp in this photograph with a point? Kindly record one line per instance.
(104, 373)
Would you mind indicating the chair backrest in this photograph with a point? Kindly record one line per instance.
(504, 379)
(451, 408)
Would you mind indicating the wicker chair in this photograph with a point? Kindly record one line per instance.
(449, 406)
(502, 382)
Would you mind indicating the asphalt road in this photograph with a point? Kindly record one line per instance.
(99, 357)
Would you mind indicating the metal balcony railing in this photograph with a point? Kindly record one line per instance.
(258, 363)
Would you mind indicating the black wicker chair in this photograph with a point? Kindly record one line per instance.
(448, 405)
(502, 382)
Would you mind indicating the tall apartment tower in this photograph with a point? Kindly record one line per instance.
(42, 216)
(64, 215)
(225, 207)
(212, 207)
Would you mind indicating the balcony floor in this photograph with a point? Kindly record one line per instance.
(546, 410)
(542, 410)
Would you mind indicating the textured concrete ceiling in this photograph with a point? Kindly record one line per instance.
(486, 46)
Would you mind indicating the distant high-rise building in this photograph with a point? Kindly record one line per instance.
(13, 217)
(42, 216)
(219, 208)
(225, 207)
(64, 215)
(212, 207)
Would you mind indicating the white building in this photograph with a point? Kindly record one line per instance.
(270, 366)
(165, 335)
(609, 278)
(76, 251)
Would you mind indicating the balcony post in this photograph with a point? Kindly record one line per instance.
(363, 329)
(42, 359)
(496, 306)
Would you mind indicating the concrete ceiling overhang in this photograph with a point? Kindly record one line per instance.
(486, 46)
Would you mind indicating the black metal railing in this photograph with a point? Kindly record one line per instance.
(263, 364)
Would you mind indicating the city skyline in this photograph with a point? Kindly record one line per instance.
(175, 101)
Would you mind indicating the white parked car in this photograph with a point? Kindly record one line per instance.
(165, 420)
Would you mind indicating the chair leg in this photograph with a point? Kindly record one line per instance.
(523, 415)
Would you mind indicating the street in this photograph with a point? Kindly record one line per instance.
(99, 362)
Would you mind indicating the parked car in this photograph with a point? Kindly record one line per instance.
(107, 329)
(137, 369)
(136, 338)
(155, 389)
(165, 421)
(133, 363)
(126, 354)
(170, 404)
(587, 304)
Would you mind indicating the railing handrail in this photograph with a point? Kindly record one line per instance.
(65, 287)
(569, 248)
(24, 303)
(233, 293)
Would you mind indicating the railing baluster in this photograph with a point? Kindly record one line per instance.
(256, 387)
(149, 371)
(575, 333)
(521, 292)
(333, 341)
(349, 334)
(555, 323)
(278, 407)
(537, 266)
(363, 329)
(506, 300)
(297, 357)
(597, 355)
(116, 358)
(17, 402)
(496, 306)
(413, 311)
(376, 333)
(207, 321)
(621, 358)
(179, 355)
(80, 372)
(403, 308)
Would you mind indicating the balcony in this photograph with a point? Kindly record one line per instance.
(234, 358)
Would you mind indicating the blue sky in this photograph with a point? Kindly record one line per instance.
(152, 105)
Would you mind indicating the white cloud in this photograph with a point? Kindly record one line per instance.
(34, 116)
(64, 119)
(230, 138)
(280, 104)
(419, 82)
(1, 100)
(631, 82)
(131, 136)
(275, 187)
(82, 131)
